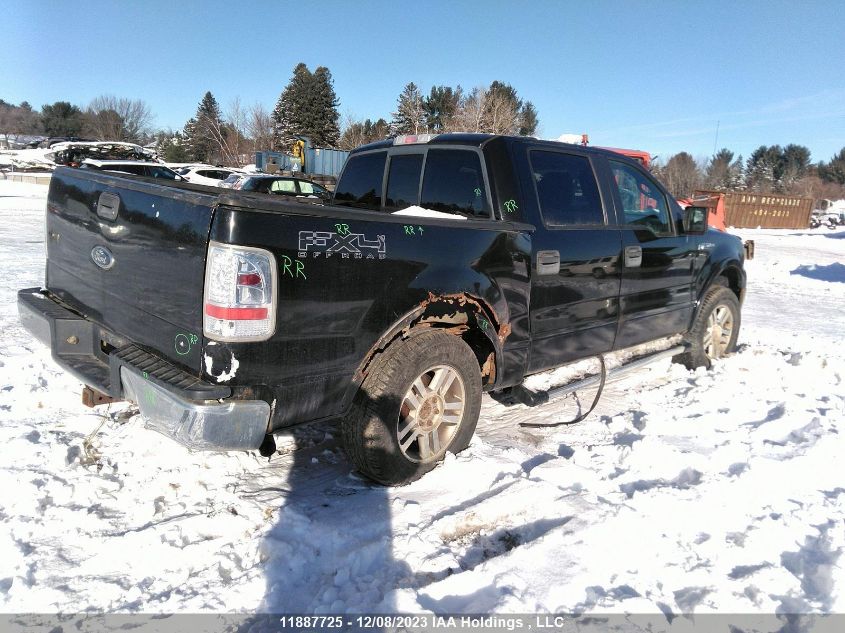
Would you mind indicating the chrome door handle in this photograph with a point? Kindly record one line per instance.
(633, 256)
(548, 262)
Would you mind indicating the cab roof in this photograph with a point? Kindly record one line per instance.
(479, 140)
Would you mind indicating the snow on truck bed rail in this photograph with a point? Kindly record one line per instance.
(686, 492)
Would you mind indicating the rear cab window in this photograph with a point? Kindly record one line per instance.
(403, 181)
(438, 182)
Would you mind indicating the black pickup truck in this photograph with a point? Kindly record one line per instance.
(444, 267)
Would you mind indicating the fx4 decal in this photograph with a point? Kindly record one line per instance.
(346, 245)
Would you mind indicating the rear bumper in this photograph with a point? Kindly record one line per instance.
(197, 414)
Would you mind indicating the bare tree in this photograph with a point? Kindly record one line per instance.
(354, 134)
(18, 120)
(682, 175)
(501, 113)
(109, 118)
(235, 145)
(259, 127)
(357, 133)
(814, 187)
(469, 116)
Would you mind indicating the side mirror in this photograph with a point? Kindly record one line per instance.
(695, 220)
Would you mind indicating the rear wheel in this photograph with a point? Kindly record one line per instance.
(420, 400)
(715, 330)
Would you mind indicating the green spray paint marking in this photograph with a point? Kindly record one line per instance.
(510, 206)
(477, 192)
(342, 229)
(146, 375)
(483, 323)
(297, 271)
(183, 342)
(413, 230)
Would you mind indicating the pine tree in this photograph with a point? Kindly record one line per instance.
(292, 109)
(764, 169)
(323, 127)
(207, 130)
(718, 172)
(796, 163)
(410, 115)
(188, 134)
(306, 107)
(171, 147)
(61, 119)
(834, 171)
(440, 106)
(528, 120)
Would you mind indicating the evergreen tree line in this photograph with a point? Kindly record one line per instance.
(769, 169)
(496, 109)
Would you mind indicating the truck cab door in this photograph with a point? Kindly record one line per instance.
(657, 261)
(575, 277)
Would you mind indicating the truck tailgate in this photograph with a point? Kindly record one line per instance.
(129, 254)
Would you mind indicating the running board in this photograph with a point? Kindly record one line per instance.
(532, 398)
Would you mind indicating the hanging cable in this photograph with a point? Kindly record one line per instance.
(537, 425)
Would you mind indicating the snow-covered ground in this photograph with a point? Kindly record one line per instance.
(688, 492)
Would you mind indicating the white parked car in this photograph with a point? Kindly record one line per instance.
(207, 175)
(136, 167)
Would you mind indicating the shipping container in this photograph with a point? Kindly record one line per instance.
(764, 210)
(318, 161)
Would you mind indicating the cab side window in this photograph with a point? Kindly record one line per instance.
(642, 202)
(360, 184)
(566, 189)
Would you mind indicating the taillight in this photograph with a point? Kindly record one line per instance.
(240, 290)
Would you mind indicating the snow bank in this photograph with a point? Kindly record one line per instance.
(687, 492)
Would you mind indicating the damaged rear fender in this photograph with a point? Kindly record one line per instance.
(460, 314)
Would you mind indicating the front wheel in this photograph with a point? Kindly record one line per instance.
(715, 330)
(421, 399)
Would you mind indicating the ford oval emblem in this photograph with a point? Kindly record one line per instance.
(102, 256)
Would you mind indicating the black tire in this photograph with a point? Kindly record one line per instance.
(370, 431)
(718, 296)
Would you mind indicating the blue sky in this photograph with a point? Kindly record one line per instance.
(651, 75)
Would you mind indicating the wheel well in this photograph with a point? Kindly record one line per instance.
(463, 316)
(730, 277)
(459, 315)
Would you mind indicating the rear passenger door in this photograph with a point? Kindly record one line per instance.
(575, 273)
(657, 272)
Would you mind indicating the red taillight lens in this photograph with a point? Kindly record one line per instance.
(235, 314)
(249, 279)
